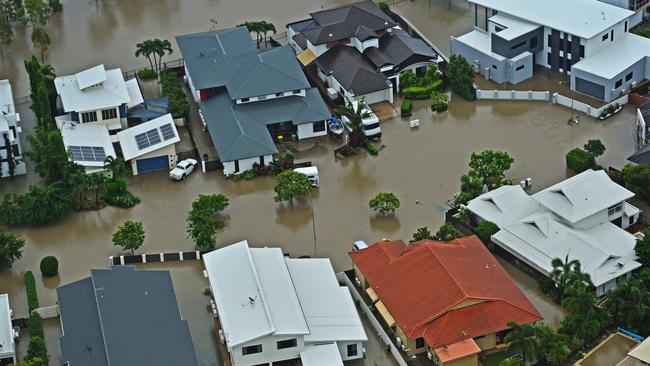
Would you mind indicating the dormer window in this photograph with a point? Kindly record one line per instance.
(297, 91)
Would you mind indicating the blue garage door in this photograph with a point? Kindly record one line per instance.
(151, 164)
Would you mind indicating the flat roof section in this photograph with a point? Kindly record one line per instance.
(617, 57)
(514, 27)
(481, 42)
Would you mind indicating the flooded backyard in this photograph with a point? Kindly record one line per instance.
(421, 166)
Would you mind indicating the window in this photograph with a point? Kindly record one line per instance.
(278, 94)
(236, 166)
(615, 209)
(244, 100)
(297, 91)
(89, 117)
(319, 126)
(550, 43)
(612, 36)
(249, 350)
(548, 58)
(109, 113)
(518, 45)
(618, 83)
(533, 42)
(582, 51)
(625, 30)
(419, 342)
(519, 68)
(288, 343)
(605, 36)
(494, 67)
(352, 350)
(629, 76)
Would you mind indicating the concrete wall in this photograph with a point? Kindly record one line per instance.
(108, 121)
(306, 130)
(595, 44)
(170, 151)
(409, 344)
(361, 46)
(317, 50)
(378, 96)
(244, 164)
(270, 351)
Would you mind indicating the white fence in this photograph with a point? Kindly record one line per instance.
(584, 107)
(529, 95)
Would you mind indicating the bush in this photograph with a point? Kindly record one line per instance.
(421, 92)
(261, 169)
(643, 31)
(636, 178)
(35, 325)
(372, 149)
(461, 76)
(248, 174)
(122, 200)
(37, 349)
(172, 88)
(579, 160)
(610, 109)
(486, 229)
(147, 74)
(406, 107)
(49, 266)
(385, 8)
(30, 288)
(439, 102)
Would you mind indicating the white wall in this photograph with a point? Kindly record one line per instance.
(302, 93)
(306, 130)
(361, 46)
(294, 45)
(170, 151)
(317, 50)
(378, 96)
(244, 164)
(596, 43)
(269, 353)
(195, 92)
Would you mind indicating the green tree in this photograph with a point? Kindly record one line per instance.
(36, 348)
(289, 185)
(385, 8)
(48, 154)
(160, 48)
(265, 28)
(628, 304)
(447, 233)
(523, 339)
(470, 188)
(461, 76)
(637, 179)
(642, 248)
(490, 167)
(129, 235)
(552, 346)
(30, 362)
(579, 160)
(565, 274)
(78, 180)
(146, 48)
(384, 203)
(37, 12)
(11, 248)
(6, 33)
(485, 230)
(355, 117)
(578, 299)
(407, 78)
(422, 233)
(595, 148)
(512, 362)
(205, 220)
(96, 183)
(49, 266)
(54, 5)
(254, 27)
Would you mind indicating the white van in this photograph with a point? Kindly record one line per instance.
(370, 124)
(312, 174)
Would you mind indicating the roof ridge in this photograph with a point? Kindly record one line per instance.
(442, 264)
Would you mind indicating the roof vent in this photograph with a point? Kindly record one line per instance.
(331, 35)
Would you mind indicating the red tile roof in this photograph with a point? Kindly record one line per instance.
(421, 282)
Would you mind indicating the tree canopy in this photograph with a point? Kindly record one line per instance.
(487, 170)
(204, 219)
(129, 235)
(384, 203)
(461, 76)
(355, 117)
(289, 185)
(595, 148)
(11, 248)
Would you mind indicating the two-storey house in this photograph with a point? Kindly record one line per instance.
(588, 40)
(582, 217)
(358, 50)
(11, 151)
(273, 308)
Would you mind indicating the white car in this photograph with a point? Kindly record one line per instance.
(370, 124)
(183, 169)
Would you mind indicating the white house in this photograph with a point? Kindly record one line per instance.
(582, 217)
(10, 132)
(7, 334)
(274, 308)
(98, 95)
(151, 145)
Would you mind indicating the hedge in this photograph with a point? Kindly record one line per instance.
(406, 107)
(172, 88)
(372, 149)
(30, 288)
(579, 160)
(439, 102)
(421, 92)
(37, 348)
(147, 74)
(49, 266)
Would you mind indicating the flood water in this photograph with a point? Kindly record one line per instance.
(421, 166)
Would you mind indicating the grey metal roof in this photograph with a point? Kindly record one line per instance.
(335, 24)
(300, 39)
(642, 156)
(135, 313)
(363, 33)
(352, 70)
(397, 47)
(229, 58)
(239, 130)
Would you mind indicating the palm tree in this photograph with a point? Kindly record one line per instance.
(579, 299)
(41, 40)
(265, 28)
(254, 27)
(523, 339)
(564, 274)
(355, 117)
(116, 166)
(96, 182)
(78, 180)
(160, 47)
(146, 49)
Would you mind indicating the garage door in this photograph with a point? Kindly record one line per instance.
(151, 164)
(590, 88)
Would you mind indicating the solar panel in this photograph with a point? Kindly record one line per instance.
(154, 136)
(167, 131)
(146, 139)
(87, 153)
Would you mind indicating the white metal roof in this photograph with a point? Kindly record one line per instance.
(321, 355)
(86, 135)
(129, 144)
(77, 96)
(6, 330)
(616, 57)
(583, 18)
(6, 98)
(503, 205)
(514, 27)
(135, 95)
(582, 195)
(327, 306)
(480, 41)
(93, 76)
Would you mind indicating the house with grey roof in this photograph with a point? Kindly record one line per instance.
(11, 151)
(249, 98)
(358, 50)
(585, 39)
(123, 316)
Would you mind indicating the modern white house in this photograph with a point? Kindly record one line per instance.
(7, 334)
(358, 50)
(582, 217)
(586, 39)
(98, 95)
(10, 131)
(274, 308)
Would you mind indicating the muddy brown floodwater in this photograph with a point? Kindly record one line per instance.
(421, 166)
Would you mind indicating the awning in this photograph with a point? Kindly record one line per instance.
(321, 355)
(144, 114)
(381, 308)
(457, 350)
(306, 57)
(372, 294)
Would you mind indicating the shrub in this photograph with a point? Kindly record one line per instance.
(147, 74)
(261, 169)
(486, 229)
(385, 8)
(122, 200)
(579, 160)
(407, 78)
(406, 107)
(30, 289)
(37, 348)
(248, 174)
(461, 76)
(636, 178)
(372, 149)
(421, 92)
(49, 266)
(643, 31)
(439, 102)
(35, 325)
(172, 88)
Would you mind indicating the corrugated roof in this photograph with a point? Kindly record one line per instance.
(112, 92)
(410, 284)
(352, 70)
